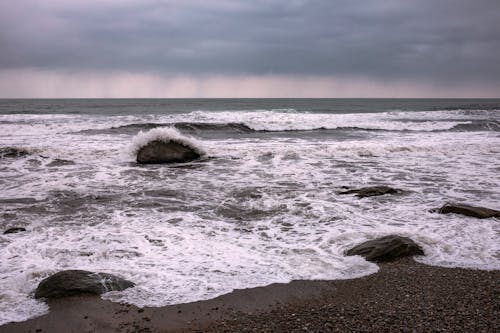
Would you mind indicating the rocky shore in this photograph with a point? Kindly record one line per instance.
(404, 296)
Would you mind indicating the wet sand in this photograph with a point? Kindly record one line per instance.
(404, 296)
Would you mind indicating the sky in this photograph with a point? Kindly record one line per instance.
(249, 48)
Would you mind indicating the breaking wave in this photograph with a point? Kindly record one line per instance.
(183, 126)
(478, 126)
(243, 128)
(165, 135)
(263, 121)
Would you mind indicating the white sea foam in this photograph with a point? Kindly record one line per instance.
(260, 120)
(263, 210)
(286, 121)
(165, 135)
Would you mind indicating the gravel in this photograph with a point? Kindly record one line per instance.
(403, 296)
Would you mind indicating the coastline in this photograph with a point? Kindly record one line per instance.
(404, 296)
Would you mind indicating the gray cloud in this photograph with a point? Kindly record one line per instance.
(439, 41)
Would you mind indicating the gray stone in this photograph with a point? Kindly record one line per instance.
(166, 152)
(58, 162)
(77, 282)
(387, 248)
(14, 230)
(11, 152)
(473, 211)
(371, 191)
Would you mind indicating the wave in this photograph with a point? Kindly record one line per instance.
(473, 108)
(165, 135)
(183, 126)
(478, 126)
(472, 126)
(235, 127)
(214, 123)
(242, 128)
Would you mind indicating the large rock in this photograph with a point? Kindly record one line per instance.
(14, 230)
(76, 282)
(166, 152)
(387, 248)
(12, 152)
(473, 211)
(371, 191)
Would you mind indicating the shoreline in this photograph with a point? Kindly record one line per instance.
(404, 296)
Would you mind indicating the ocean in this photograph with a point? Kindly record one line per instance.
(261, 206)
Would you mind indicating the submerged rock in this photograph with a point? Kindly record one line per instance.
(387, 248)
(14, 230)
(371, 191)
(11, 152)
(166, 152)
(58, 162)
(473, 211)
(77, 282)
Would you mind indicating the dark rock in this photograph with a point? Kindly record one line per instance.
(58, 162)
(166, 152)
(76, 282)
(24, 201)
(14, 230)
(387, 248)
(371, 191)
(11, 152)
(479, 212)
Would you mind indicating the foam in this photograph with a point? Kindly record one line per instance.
(165, 135)
(263, 210)
(263, 120)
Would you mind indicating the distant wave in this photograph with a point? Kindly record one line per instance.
(235, 127)
(183, 126)
(197, 127)
(478, 126)
(192, 127)
(470, 126)
(472, 108)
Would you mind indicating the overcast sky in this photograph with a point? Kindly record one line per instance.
(260, 48)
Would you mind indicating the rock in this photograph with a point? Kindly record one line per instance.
(11, 152)
(387, 248)
(166, 152)
(76, 282)
(371, 191)
(479, 212)
(58, 162)
(14, 230)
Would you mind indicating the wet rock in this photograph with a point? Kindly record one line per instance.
(58, 162)
(12, 152)
(387, 248)
(371, 191)
(473, 211)
(24, 201)
(14, 230)
(77, 282)
(166, 152)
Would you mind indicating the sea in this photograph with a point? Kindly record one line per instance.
(261, 206)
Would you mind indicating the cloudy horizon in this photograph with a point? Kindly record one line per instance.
(264, 48)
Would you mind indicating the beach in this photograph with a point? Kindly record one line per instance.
(259, 220)
(404, 296)
(249, 166)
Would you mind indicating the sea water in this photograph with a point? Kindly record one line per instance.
(262, 204)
